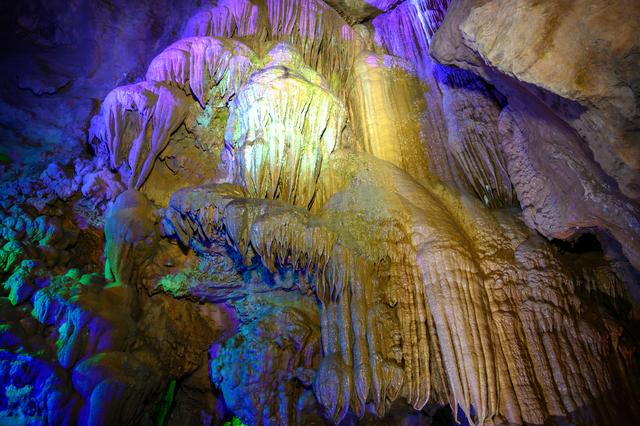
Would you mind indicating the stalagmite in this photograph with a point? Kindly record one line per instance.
(282, 347)
(131, 235)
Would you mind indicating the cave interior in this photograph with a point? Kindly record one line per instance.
(316, 212)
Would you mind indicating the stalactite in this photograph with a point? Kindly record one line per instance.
(406, 30)
(446, 286)
(283, 125)
(465, 151)
(134, 125)
(325, 40)
(473, 143)
(200, 64)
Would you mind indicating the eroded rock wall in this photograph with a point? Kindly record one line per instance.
(552, 94)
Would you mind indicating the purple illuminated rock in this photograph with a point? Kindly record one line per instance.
(265, 370)
(60, 58)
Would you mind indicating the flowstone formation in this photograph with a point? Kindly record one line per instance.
(297, 215)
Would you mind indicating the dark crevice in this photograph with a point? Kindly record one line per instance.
(583, 243)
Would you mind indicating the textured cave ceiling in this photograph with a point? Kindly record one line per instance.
(297, 212)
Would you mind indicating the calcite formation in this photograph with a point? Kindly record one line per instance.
(200, 64)
(134, 125)
(385, 102)
(398, 269)
(339, 213)
(283, 125)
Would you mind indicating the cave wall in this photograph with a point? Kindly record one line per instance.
(60, 59)
(308, 212)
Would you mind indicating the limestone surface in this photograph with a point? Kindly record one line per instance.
(566, 76)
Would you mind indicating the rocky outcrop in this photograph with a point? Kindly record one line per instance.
(549, 167)
(578, 108)
(281, 347)
(585, 55)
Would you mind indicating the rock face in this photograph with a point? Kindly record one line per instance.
(296, 215)
(581, 105)
(586, 54)
(60, 59)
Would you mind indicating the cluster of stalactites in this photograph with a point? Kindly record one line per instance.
(283, 125)
(281, 234)
(324, 39)
(474, 311)
(460, 121)
(136, 121)
(360, 364)
(199, 65)
(134, 125)
(196, 213)
(473, 143)
(406, 31)
(284, 235)
(469, 311)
